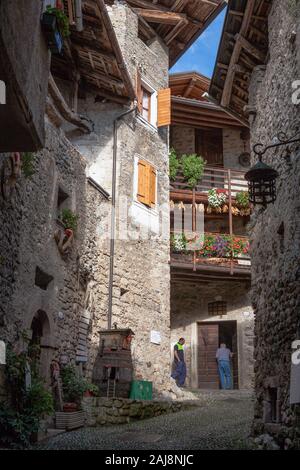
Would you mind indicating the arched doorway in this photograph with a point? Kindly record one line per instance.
(40, 337)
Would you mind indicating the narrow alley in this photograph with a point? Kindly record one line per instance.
(219, 420)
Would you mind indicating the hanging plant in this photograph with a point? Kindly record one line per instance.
(174, 165)
(217, 199)
(69, 219)
(27, 164)
(192, 168)
(62, 20)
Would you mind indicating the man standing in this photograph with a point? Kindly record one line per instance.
(223, 356)
(179, 373)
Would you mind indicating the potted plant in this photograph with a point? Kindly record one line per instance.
(243, 203)
(192, 168)
(217, 200)
(179, 242)
(91, 390)
(55, 25)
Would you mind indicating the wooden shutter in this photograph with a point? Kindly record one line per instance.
(164, 107)
(139, 91)
(146, 183)
(152, 185)
(143, 182)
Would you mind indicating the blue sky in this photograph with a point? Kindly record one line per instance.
(201, 56)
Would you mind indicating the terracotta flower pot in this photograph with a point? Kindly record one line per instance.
(70, 407)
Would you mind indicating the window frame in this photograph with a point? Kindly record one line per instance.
(153, 207)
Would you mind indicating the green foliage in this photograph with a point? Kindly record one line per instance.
(174, 164)
(62, 20)
(179, 242)
(69, 219)
(242, 199)
(28, 164)
(74, 386)
(192, 167)
(216, 198)
(21, 417)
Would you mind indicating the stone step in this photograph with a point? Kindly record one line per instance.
(51, 432)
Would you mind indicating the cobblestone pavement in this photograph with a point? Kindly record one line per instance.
(222, 421)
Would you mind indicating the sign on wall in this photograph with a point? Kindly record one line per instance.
(2, 353)
(2, 92)
(155, 337)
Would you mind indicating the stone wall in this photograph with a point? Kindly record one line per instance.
(189, 306)
(104, 411)
(28, 223)
(141, 277)
(276, 233)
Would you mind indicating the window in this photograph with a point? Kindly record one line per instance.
(146, 104)
(146, 193)
(154, 107)
(218, 308)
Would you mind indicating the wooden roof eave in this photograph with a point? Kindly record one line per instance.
(116, 48)
(228, 93)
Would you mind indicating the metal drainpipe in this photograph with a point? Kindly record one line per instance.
(78, 15)
(113, 214)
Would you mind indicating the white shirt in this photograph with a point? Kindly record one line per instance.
(223, 354)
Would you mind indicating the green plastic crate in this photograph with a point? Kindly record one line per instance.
(141, 390)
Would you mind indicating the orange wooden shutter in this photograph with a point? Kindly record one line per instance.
(152, 174)
(164, 107)
(139, 91)
(143, 182)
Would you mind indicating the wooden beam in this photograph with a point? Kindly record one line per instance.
(235, 54)
(156, 16)
(252, 50)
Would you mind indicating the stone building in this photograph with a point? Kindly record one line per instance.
(111, 171)
(210, 300)
(257, 78)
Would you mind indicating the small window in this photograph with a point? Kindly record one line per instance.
(146, 104)
(146, 193)
(218, 308)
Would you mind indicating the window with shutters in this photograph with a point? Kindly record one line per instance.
(146, 193)
(154, 107)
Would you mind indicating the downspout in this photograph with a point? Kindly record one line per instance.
(78, 15)
(113, 214)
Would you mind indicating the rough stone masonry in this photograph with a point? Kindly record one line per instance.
(276, 235)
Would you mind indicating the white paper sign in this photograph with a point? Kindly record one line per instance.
(2, 353)
(155, 337)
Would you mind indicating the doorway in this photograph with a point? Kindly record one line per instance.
(210, 335)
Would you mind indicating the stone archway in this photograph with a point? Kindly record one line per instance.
(41, 335)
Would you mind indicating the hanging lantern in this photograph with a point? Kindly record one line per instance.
(262, 184)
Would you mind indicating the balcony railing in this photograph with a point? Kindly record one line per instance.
(211, 249)
(233, 181)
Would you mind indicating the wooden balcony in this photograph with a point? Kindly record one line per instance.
(204, 262)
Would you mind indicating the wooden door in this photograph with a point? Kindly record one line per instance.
(208, 343)
(209, 145)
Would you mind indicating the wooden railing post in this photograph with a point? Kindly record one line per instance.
(230, 217)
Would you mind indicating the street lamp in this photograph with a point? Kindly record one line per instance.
(261, 177)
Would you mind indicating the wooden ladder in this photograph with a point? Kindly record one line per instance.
(111, 388)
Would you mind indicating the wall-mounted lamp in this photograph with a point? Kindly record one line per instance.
(261, 177)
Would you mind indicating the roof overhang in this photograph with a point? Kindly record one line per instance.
(178, 22)
(244, 45)
(93, 57)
